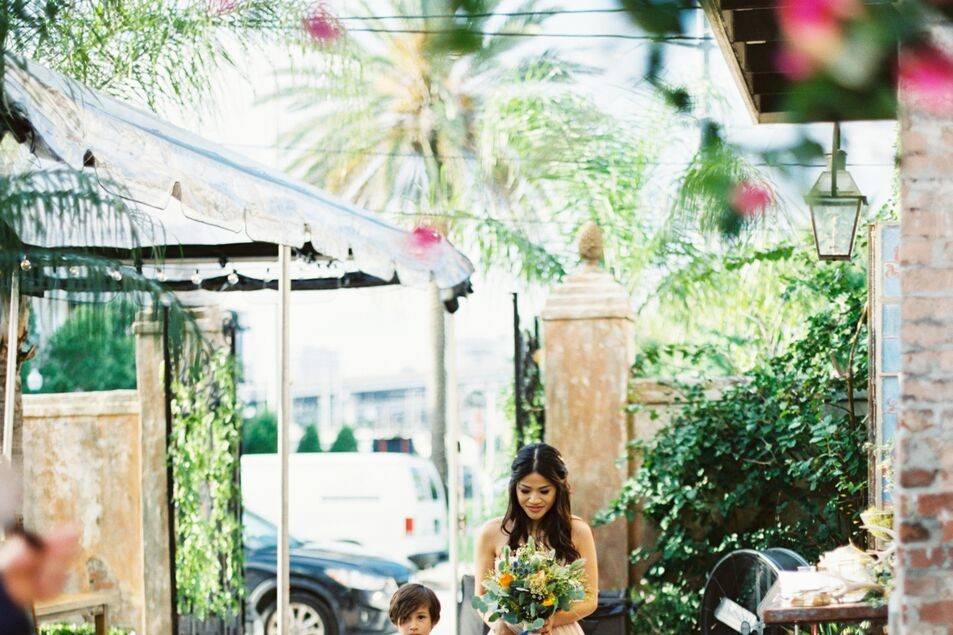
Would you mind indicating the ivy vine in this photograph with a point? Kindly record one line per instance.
(779, 460)
(204, 455)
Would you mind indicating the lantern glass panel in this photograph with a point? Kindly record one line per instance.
(835, 224)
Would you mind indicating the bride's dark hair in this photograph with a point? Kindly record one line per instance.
(556, 525)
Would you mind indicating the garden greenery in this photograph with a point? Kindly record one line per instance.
(206, 429)
(779, 460)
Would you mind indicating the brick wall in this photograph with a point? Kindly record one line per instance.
(923, 601)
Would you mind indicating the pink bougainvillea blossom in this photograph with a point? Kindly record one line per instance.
(751, 199)
(321, 25)
(815, 30)
(422, 240)
(926, 76)
(794, 64)
(222, 7)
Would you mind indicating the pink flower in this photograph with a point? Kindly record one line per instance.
(794, 64)
(751, 199)
(815, 28)
(926, 74)
(321, 25)
(221, 7)
(422, 240)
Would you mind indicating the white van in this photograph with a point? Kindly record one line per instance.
(392, 504)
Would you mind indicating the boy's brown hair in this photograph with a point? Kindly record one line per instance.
(411, 597)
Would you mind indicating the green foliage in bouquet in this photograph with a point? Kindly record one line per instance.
(527, 587)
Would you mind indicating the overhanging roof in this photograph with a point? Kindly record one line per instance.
(193, 200)
(749, 37)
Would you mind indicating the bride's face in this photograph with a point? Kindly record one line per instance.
(536, 495)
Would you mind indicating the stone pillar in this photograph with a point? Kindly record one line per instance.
(157, 602)
(589, 345)
(157, 566)
(922, 603)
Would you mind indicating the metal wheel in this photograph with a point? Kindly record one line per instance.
(305, 620)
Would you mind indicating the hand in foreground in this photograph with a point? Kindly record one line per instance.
(30, 573)
(547, 627)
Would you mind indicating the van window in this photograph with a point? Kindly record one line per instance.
(420, 484)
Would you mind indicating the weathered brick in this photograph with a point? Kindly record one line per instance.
(913, 532)
(926, 557)
(937, 612)
(929, 390)
(935, 504)
(915, 308)
(917, 477)
(926, 281)
(930, 361)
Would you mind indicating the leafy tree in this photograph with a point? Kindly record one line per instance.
(426, 127)
(345, 441)
(150, 50)
(310, 441)
(260, 433)
(92, 350)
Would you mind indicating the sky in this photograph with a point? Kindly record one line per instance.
(385, 331)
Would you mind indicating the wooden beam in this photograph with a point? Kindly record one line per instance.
(733, 5)
(757, 57)
(761, 83)
(716, 19)
(752, 25)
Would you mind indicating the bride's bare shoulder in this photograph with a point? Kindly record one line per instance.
(492, 528)
(580, 526)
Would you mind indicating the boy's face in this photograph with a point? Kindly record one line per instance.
(419, 623)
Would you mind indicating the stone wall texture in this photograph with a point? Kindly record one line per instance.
(589, 339)
(923, 601)
(81, 467)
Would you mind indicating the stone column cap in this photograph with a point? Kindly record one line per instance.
(587, 295)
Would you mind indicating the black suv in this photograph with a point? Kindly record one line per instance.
(334, 591)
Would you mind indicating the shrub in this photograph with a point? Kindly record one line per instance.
(345, 441)
(310, 441)
(778, 461)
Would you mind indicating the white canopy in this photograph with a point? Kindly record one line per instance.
(187, 191)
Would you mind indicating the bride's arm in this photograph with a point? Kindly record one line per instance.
(586, 546)
(485, 557)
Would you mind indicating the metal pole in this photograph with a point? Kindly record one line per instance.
(835, 158)
(453, 468)
(518, 371)
(10, 385)
(284, 416)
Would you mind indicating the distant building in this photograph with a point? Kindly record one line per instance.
(386, 406)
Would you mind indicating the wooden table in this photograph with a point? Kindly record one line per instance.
(95, 603)
(777, 613)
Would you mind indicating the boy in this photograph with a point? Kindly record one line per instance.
(414, 610)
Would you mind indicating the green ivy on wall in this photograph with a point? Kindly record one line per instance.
(779, 460)
(206, 430)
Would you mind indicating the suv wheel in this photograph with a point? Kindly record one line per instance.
(309, 616)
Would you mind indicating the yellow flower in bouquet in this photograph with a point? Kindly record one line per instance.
(527, 587)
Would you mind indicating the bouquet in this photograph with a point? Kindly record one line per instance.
(527, 587)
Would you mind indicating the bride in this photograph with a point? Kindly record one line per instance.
(539, 507)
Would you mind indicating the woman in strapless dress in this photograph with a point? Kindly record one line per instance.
(539, 506)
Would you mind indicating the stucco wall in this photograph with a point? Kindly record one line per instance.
(81, 466)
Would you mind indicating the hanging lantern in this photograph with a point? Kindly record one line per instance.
(835, 204)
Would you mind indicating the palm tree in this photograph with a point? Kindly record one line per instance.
(153, 51)
(432, 130)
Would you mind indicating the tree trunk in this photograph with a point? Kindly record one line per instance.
(437, 393)
(21, 357)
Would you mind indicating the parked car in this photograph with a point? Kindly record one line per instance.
(333, 591)
(392, 504)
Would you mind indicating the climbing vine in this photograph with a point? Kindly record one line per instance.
(204, 455)
(778, 460)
